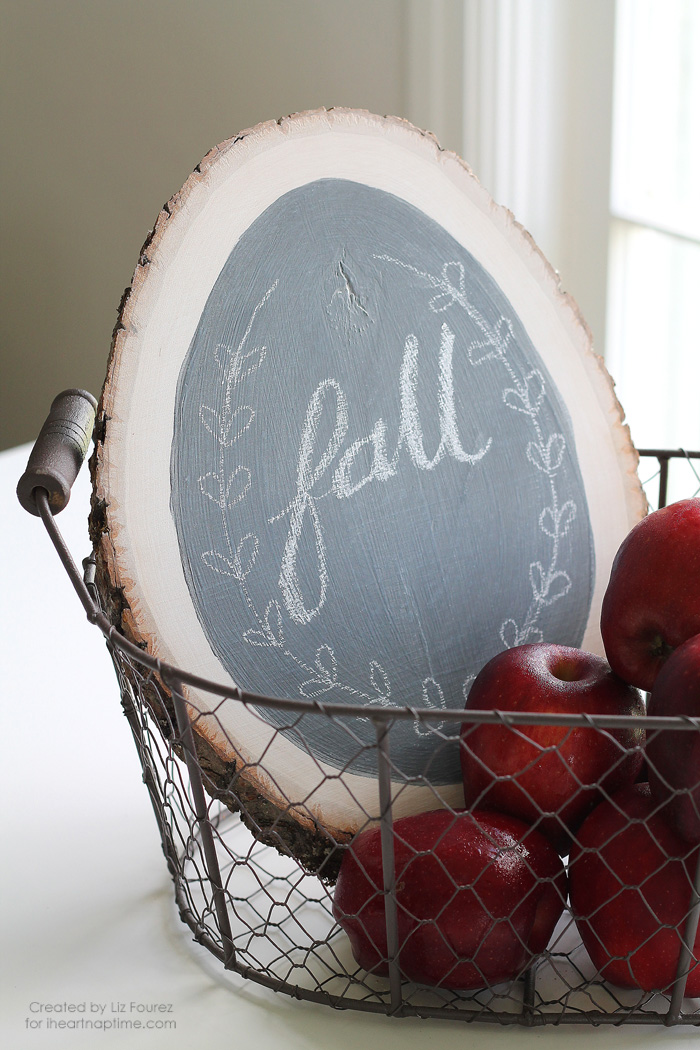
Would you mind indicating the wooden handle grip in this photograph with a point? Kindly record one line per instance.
(59, 450)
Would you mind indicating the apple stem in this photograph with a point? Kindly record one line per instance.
(660, 648)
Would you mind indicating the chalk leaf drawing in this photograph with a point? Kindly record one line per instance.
(219, 564)
(433, 698)
(511, 634)
(556, 523)
(271, 631)
(245, 554)
(225, 491)
(380, 684)
(548, 456)
(227, 430)
(326, 677)
(527, 395)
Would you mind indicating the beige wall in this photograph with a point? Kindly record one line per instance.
(107, 106)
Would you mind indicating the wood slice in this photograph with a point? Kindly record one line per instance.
(354, 442)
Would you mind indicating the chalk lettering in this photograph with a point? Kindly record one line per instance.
(304, 503)
(410, 431)
(303, 507)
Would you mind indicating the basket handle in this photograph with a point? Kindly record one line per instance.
(59, 451)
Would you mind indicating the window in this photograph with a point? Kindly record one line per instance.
(583, 117)
(654, 274)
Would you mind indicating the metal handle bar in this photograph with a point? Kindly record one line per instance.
(59, 451)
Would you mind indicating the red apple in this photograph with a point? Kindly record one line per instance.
(652, 602)
(547, 775)
(673, 757)
(631, 882)
(478, 897)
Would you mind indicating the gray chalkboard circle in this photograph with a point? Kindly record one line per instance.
(374, 479)
(353, 441)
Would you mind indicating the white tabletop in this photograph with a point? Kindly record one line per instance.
(87, 904)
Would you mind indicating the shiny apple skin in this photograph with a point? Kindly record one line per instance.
(553, 774)
(471, 911)
(673, 758)
(652, 601)
(631, 934)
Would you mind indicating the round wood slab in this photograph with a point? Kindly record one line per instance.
(355, 443)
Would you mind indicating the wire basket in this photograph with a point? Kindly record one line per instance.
(258, 911)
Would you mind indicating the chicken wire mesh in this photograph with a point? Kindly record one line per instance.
(264, 915)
